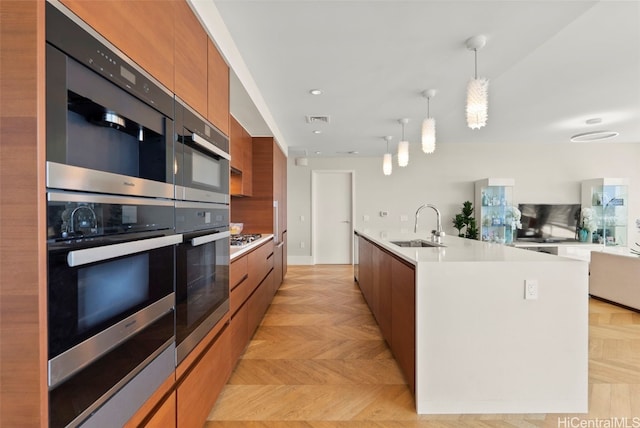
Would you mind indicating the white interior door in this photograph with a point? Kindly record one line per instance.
(332, 200)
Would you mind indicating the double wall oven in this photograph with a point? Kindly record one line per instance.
(202, 216)
(138, 227)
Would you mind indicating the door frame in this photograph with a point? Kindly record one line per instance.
(314, 224)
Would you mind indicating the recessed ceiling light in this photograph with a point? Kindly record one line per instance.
(315, 92)
(317, 131)
(318, 153)
(593, 136)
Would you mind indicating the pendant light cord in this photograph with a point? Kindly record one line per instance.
(475, 56)
(428, 106)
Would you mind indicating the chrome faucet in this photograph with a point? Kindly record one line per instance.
(436, 235)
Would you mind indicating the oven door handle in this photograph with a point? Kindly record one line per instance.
(208, 146)
(209, 238)
(97, 254)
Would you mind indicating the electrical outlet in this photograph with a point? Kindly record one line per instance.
(404, 217)
(365, 218)
(301, 244)
(531, 289)
(384, 213)
(301, 218)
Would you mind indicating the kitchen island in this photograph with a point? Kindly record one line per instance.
(480, 345)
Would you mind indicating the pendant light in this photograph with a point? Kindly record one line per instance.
(403, 146)
(477, 89)
(429, 125)
(387, 162)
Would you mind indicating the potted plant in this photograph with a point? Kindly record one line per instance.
(466, 220)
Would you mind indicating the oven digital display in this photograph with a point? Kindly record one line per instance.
(128, 75)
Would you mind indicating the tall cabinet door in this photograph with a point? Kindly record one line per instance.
(217, 89)
(127, 23)
(191, 50)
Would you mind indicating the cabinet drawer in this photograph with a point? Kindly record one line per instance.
(260, 262)
(200, 388)
(239, 329)
(239, 295)
(238, 271)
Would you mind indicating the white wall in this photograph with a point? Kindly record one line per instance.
(546, 173)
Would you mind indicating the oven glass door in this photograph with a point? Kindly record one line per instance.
(101, 138)
(100, 296)
(202, 175)
(202, 286)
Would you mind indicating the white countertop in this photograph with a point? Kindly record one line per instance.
(456, 249)
(237, 251)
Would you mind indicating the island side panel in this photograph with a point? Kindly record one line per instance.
(482, 348)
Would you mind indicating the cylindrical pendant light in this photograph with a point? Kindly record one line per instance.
(429, 125)
(387, 161)
(403, 146)
(477, 89)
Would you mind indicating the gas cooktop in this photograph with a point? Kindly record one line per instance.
(241, 240)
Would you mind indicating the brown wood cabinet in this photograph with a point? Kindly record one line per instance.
(241, 159)
(266, 210)
(159, 410)
(165, 415)
(388, 285)
(403, 318)
(133, 26)
(191, 50)
(23, 349)
(198, 390)
(145, 32)
(382, 286)
(251, 295)
(217, 89)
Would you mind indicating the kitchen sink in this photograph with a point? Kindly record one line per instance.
(417, 243)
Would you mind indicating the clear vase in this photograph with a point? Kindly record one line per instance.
(583, 235)
(508, 235)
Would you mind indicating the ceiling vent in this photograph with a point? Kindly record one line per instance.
(317, 119)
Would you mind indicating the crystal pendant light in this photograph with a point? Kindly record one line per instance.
(429, 126)
(403, 146)
(387, 162)
(477, 89)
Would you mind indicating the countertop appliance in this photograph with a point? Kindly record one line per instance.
(243, 240)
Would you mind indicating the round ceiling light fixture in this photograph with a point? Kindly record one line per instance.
(316, 92)
(585, 137)
(317, 131)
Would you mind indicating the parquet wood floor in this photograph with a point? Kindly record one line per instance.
(318, 361)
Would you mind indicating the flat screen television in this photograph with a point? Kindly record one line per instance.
(549, 222)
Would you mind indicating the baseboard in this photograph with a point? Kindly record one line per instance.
(300, 260)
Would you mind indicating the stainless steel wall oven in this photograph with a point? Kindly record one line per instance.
(202, 158)
(202, 271)
(110, 296)
(109, 125)
(111, 237)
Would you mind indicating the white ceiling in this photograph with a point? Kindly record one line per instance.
(551, 64)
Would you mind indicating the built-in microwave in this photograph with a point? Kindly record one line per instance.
(109, 125)
(201, 158)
